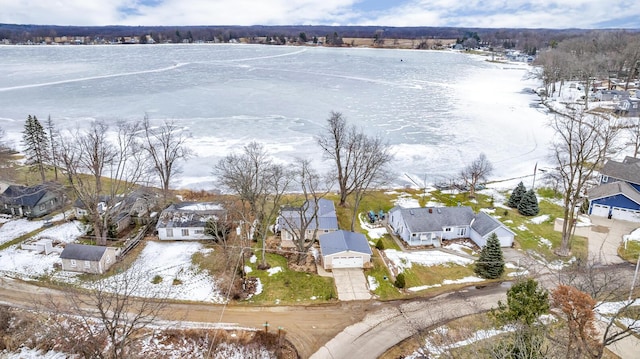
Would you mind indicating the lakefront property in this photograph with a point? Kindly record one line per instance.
(433, 226)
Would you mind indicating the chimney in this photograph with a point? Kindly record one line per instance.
(430, 210)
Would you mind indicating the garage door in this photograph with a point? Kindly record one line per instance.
(626, 215)
(600, 210)
(347, 262)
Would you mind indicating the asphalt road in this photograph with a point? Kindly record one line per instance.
(387, 327)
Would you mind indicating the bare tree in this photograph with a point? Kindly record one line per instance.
(606, 286)
(259, 184)
(476, 171)
(302, 220)
(166, 146)
(102, 172)
(111, 313)
(586, 60)
(360, 161)
(582, 140)
(632, 129)
(53, 143)
(5, 158)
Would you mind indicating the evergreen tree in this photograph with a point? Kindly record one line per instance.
(36, 143)
(490, 265)
(516, 195)
(526, 302)
(529, 204)
(400, 281)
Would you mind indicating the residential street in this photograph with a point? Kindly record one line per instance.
(387, 327)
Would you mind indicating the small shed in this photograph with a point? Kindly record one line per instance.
(87, 259)
(343, 249)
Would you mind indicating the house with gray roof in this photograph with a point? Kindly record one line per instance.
(344, 249)
(188, 220)
(292, 219)
(87, 259)
(32, 201)
(431, 226)
(618, 194)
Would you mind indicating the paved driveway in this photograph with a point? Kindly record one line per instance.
(351, 284)
(605, 236)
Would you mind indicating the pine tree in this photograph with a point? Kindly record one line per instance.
(529, 204)
(516, 195)
(36, 144)
(490, 265)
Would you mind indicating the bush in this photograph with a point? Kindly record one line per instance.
(156, 279)
(379, 244)
(400, 283)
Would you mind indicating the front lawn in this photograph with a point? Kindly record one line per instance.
(284, 286)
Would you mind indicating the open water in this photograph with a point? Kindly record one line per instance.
(437, 109)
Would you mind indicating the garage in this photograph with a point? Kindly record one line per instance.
(625, 214)
(343, 249)
(600, 210)
(347, 262)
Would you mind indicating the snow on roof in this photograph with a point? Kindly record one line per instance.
(203, 206)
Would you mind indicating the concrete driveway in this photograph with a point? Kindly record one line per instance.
(351, 284)
(605, 236)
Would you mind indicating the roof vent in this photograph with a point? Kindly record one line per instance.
(411, 212)
(430, 210)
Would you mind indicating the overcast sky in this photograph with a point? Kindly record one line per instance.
(455, 13)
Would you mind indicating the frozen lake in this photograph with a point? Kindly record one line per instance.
(437, 109)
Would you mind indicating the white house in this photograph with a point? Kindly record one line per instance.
(187, 220)
(424, 226)
(88, 259)
(343, 249)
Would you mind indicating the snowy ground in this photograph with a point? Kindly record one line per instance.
(169, 260)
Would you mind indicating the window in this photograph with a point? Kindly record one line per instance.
(73, 263)
(108, 259)
(448, 229)
(413, 234)
(462, 231)
(605, 178)
(42, 206)
(169, 232)
(185, 232)
(87, 264)
(199, 231)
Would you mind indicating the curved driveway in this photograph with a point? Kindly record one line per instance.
(388, 326)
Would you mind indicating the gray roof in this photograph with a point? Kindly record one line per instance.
(485, 224)
(190, 214)
(342, 241)
(432, 219)
(83, 252)
(28, 196)
(614, 188)
(327, 217)
(627, 170)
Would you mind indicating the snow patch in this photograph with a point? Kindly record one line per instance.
(274, 270)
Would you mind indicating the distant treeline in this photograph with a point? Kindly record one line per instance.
(507, 38)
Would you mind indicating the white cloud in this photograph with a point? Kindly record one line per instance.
(474, 13)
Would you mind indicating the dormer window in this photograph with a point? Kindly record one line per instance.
(604, 179)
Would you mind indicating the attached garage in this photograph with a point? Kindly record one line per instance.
(347, 262)
(616, 200)
(624, 214)
(343, 249)
(600, 210)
